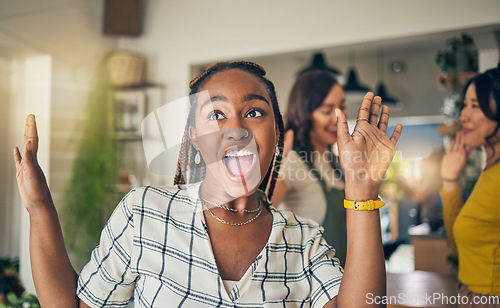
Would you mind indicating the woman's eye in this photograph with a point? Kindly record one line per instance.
(326, 111)
(254, 113)
(215, 115)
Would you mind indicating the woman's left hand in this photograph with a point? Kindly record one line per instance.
(366, 154)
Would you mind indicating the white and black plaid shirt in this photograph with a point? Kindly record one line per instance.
(156, 246)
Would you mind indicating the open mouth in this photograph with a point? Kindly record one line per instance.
(238, 163)
(332, 132)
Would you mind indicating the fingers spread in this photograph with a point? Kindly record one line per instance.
(374, 110)
(364, 109)
(342, 127)
(396, 134)
(384, 119)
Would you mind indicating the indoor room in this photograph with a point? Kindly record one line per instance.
(109, 84)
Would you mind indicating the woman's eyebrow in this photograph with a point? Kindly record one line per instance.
(251, 97)
(217, 98)
(222, 98)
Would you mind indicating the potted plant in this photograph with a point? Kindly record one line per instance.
(459, 55)
(458, 62)
(89, 198)
(12, 292)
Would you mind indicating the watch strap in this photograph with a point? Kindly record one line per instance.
(368, 205)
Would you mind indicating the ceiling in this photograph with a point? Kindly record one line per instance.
(431, 41)
(69, 30)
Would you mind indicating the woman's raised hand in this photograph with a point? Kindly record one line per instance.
(453, 162)
(30, 178)
(367, 153)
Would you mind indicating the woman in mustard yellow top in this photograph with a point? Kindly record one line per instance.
(473, 228)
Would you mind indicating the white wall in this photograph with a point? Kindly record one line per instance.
(69, 33)
(178, 34)
(9, 231)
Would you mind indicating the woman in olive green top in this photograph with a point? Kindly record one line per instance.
(311, 182)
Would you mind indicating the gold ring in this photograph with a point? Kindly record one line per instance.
(362, 119)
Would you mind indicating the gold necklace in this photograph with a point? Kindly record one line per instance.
(232, 223)
(230, 209)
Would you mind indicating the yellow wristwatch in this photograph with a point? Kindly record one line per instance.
(368, 205)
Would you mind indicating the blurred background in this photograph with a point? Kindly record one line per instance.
(88, 66)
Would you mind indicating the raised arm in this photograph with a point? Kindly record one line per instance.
(53, 275)
(452, 164)
(365, 156)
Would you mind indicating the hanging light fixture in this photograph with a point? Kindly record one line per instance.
(319, 63)
(381, 89)
(353, 84)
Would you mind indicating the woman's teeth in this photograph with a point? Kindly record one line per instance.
(239, 153)
(238, 163)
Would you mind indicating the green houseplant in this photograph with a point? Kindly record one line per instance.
(89, 198)
(25, 300)
(459, 55)
(12, 292)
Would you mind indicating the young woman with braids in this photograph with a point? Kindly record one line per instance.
(311, 182)
(218, 242)
(473, 227)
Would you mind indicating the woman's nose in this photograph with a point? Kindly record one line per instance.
(464, 115)
(236, 133)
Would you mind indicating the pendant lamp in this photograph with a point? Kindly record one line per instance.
(382, 92)
(319, 63)
(381, 88)
(353, 84)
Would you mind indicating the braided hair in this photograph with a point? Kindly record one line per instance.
(185, 164)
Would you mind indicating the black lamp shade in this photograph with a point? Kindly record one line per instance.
(382, 92)
(352, 84)
(318, 63)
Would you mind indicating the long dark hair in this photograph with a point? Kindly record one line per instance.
(487, 87)
(308, 93)
(187, 151)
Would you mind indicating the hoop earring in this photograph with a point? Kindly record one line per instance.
(197, 158)
(277, 151)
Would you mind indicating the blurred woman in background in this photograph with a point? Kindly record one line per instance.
(311, 181)
(473, 227)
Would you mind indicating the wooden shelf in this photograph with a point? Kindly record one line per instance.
(448, 129)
